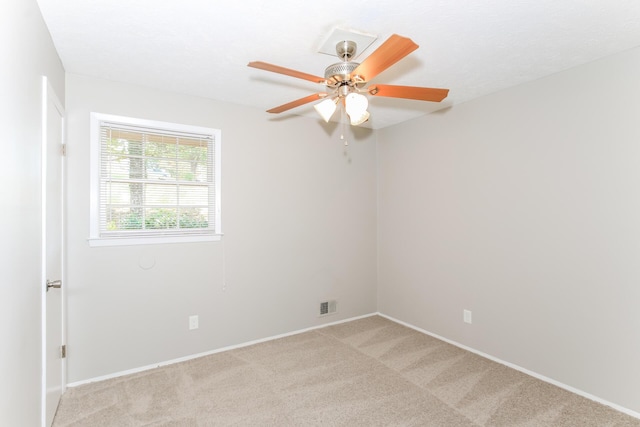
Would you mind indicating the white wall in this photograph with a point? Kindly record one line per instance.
(524, 207)
(299, 219)
(26, 54)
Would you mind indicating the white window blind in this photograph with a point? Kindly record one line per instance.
(155, 181)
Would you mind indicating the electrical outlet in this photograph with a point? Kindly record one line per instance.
(466, 316)
(193, 322)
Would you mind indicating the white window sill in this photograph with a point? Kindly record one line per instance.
(130, 241)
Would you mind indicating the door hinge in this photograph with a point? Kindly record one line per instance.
(64, 149)
(63, 351)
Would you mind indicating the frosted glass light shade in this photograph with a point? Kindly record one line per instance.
(326, 109)
(356, 107)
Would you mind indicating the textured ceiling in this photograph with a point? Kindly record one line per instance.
(202, 47)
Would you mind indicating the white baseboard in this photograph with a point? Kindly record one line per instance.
(519, 368)
(207, 353)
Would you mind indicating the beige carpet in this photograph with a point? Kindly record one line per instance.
(367, 372)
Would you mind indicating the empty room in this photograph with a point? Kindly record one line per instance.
(371, 213)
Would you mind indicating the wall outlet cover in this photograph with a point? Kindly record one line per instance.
(466, 316)
(193, 322)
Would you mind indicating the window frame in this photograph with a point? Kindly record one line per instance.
(95, 233)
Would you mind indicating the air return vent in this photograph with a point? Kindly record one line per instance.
(328, 307)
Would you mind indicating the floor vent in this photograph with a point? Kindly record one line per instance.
(328, 307)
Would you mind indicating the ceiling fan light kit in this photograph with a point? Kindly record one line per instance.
(345, 81)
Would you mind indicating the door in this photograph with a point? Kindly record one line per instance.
(52, 252)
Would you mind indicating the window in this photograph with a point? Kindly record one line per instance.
(153, 182)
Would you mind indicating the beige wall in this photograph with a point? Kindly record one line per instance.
(26, 54)
(524, 207)
(299, 221)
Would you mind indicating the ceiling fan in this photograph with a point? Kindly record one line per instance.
(346, 81)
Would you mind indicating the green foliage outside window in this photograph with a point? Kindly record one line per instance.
(158, 219)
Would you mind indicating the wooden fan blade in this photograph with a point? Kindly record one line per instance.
(391, 51)
(286, 71)
(409, 92)
(297, 103)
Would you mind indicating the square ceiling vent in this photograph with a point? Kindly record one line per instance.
(363, 41)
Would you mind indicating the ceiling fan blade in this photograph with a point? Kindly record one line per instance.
(286, 71)
(409, 92)
(297, 103)
(391, 51)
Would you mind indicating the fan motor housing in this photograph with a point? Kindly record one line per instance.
(340, 74)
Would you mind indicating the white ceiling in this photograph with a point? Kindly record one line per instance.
(202, 47)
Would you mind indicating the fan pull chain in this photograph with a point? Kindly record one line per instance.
(342, 122)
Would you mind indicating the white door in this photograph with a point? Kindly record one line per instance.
(52, 252)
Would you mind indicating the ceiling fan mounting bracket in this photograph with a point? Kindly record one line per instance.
(346, 49)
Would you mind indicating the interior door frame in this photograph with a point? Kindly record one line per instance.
(48, 94)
